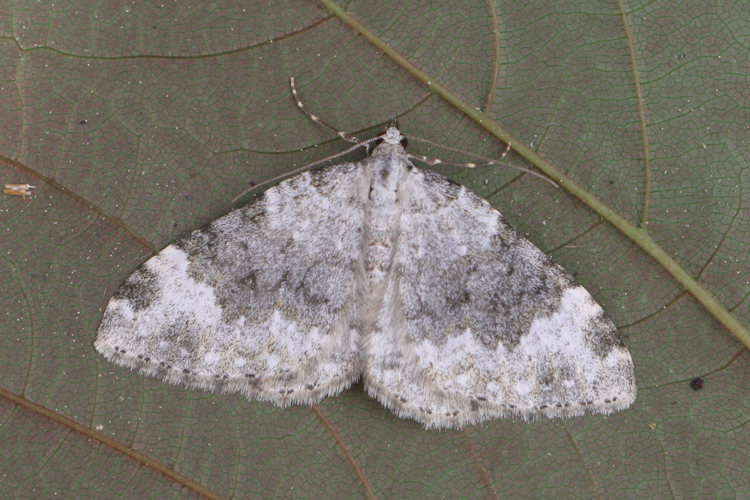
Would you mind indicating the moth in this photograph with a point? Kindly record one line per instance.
(375, 270)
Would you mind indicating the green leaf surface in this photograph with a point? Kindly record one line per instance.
(139, 122)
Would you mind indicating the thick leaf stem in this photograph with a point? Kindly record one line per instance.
(639, 236)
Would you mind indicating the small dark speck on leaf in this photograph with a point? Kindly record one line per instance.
(696, 384)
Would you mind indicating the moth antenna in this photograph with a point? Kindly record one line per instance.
(344, 135)
(486, 161)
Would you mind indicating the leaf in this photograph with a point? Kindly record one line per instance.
(139, 123)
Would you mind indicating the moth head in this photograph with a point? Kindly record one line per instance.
(393, 135)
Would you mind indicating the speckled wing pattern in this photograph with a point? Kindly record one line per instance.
(489, 326)
(261, 301)
(376, 270)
